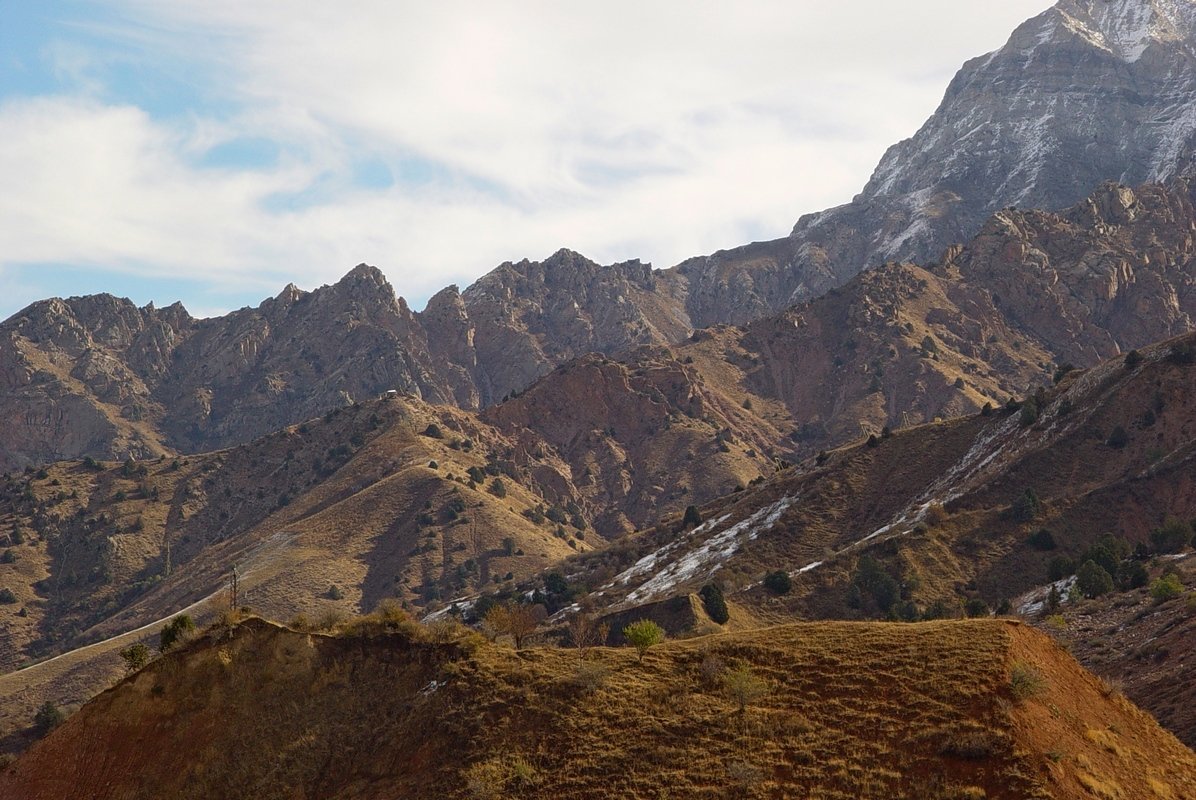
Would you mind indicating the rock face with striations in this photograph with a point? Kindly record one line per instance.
(1087, 91)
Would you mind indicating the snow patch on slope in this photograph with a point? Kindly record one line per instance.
(705, 558)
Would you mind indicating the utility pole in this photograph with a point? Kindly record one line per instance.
(166, 543)
(234, 587)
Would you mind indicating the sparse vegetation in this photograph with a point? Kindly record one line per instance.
(692, 517)
(1026, 681)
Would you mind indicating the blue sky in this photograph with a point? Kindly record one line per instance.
(214, 151)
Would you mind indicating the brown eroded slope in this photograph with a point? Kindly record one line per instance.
(852, 710)
(364, 500)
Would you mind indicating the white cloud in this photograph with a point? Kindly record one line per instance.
(653, 130)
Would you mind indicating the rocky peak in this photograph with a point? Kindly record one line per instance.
(1087, 91)
(1125, 28)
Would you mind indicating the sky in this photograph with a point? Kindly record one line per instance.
(212, 151)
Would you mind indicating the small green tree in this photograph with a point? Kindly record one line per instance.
(48, 717)
(135, 656)
(778, 582)
(1166, 588)
(1093, 580)
(1173, 536)
(742, 686)
(642, 634)
(714, 603)
(1027, 506)
(177, 630)
(976, 608)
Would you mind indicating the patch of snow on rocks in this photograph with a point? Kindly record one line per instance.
(711, 552)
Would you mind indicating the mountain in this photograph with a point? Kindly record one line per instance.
(922, 521)
(1141, 645)
(386, 499)
(385, 709)
(1087, 91)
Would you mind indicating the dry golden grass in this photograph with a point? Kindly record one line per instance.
(852, 710)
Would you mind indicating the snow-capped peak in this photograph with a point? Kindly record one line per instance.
(1126, 28)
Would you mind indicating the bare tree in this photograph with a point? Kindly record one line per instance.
(516, 620)
(586, 632)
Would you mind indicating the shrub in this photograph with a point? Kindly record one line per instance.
(692, 517)
(1029, 412)
(1166, 588)
(1027, 506)
(743, 687)
(1172, 537)
(1042, 539)
(642, 634)
(935, 514)
(590, 676)
(8, 557)
(334, 593)
(1118, 438)
(714, 603)
(976, 608)
(1132, 359)
(433, 431)
(872, 579)
(1025, 681)
(135, 657)
(1182, 353)
(330, 619)
(498, 488)
(177, 630)
(7, 597)
(1093, 580)
(711, 670)
(1132, 575)
(48, 717)
(778, 582)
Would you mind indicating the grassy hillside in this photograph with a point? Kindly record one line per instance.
(940, 710)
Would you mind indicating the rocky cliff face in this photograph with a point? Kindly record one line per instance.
(101, 377)
(1085, 92)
